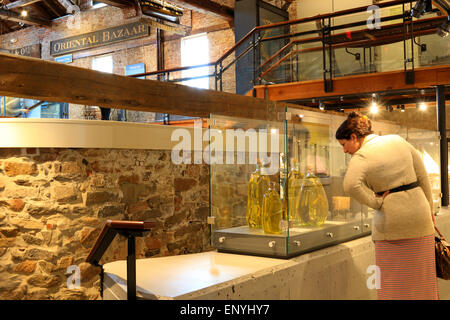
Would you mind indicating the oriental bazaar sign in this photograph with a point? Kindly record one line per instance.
(99, 38)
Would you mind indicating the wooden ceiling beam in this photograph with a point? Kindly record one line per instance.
(55, 8)
(206, 7)
(68, 6)
(19, 4)
(51, 81)
(42, 11)
(4, 27)
(118, 3)
(16, 17)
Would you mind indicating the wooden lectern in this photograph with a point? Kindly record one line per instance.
(130, 230)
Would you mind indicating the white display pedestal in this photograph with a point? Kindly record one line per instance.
(182, 276)
(333, 273)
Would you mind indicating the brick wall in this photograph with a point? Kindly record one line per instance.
(126, 52)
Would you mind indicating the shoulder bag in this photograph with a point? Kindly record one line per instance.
(442, 256)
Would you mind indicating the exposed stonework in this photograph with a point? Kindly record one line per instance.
(54, 203)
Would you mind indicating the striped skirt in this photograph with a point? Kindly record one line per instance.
(407, 269)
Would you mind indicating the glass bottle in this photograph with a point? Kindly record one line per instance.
(295, 179)
(257, 187)
(313, 207)
(272, 211)
(251, 194)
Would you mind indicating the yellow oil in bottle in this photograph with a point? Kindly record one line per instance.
(272, 211)
(313, 208)
(251, 195)
(295, 179)
(257, 187)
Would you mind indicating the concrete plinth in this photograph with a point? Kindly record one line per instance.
(338, 272)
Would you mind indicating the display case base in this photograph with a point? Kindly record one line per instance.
(290, 243)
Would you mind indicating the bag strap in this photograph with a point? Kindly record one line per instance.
(437, 230)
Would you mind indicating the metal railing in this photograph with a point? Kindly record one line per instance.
(319, 46)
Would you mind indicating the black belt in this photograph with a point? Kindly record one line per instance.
(401, 188)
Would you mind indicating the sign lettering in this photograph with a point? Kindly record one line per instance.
(33, 50)
(99, 38)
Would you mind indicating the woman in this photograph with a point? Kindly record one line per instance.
(387, 174)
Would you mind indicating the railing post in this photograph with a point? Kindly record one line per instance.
(220, 75)
(327, 72)
(215, 76)
(441, 121)
(254, 58)
(409, 74)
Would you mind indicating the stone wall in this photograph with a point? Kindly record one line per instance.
(54, 203)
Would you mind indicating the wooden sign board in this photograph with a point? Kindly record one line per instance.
(99, 38)
(33, 50)
(177, 29)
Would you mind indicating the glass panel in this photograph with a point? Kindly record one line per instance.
(365, 42)
(12, 107)
(273, 58)
(228, 78)
(433, 50)
(427, 142)
(247, 195)
(320, 212)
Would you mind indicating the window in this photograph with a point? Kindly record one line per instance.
(103, 63)
(195, 51)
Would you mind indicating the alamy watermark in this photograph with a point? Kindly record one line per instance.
(74, 280)
(374, 20)
(229, 146)
(374, 280)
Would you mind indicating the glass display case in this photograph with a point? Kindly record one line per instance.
(277, 186)
(427, 142)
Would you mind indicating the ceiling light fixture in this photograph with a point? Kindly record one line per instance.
(422, 106)
(321, 105)
(421, 7)
(374, 105)
(443, 30)
(24, 13)
(374, 108)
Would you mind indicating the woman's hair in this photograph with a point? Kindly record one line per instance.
(355, 123)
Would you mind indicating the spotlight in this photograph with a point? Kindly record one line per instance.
(24, 13)
(321, 106)
(374, 108)
(420, 8)
(443, 30)
(422, 106)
